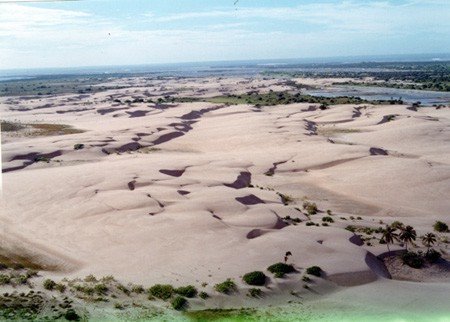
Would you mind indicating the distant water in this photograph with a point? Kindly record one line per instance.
(384, 93)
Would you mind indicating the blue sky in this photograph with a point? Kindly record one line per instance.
(120, 32)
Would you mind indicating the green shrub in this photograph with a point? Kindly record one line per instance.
(441, 227)
(433, 256)
(161, 291)
(203, 295)
(90, 279)
(187, 291)
(310, 223)
(310, 207)
(49, 284)
(412, 259)
(306, 279)
(138, 289)
(328, 219)
(280, 269)
(78, 146)
(60, 287)
(124, 289)
(255, 278)
(314, 270)
(179, 303)
(254, 292)
(397, 225)
(100, 289)
(71, 315)
(4, 279)
(226, 287)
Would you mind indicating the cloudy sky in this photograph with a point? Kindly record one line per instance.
(121, 32)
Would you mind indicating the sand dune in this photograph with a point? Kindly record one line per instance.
(190, 192)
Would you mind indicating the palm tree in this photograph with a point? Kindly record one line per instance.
(408, 235)
(428, 240)
(389, 236)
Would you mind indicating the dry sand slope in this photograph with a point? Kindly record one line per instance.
(190, 192)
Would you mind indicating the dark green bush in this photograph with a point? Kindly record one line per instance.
(433, 256)
(310, 207)
(225, 287)
(71, 315)
(310, 223)
(314, 270)
(161, 291)
(441, 227)
(49, 284)
(328, 219)
(255, 278)
(203, 295)
(187, 291)
(179, 303)
(412, 259)
(78, 146)
(100, 289)
(280, 269)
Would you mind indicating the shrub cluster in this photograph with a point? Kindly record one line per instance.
(226, 287)
(280, 269)
(314, 270)
(255, 278)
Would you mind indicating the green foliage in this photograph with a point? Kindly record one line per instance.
(433, 256)
(179, 303)
(203, 295)
(255, 292)
(280, 269)
(101, 289)
(60, 287)
(5, 279)
(310, 207)
(138, 289)
(314, 270)
(255, 278)
(78, 146)
(161, 291)
(306, 279)
(328, 219)
(49, 284)
(310, 223)
(397, 225)
(71, 315)
(440, 227)
(187, 291)
(124, 289)
(226, 287)
(412, 259)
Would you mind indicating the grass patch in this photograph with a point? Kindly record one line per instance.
(222, 315)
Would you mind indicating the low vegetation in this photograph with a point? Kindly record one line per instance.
(314, 270)
(280, 269)
(255, 278)
(226, 287)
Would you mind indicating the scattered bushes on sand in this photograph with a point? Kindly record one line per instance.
(161, 291)
(412, 259)
(226, 287)
(285, 199)
(255, 278)
(328, 219)
(306, 279)
(187, 291)
(314, 270)
(101, 289)
(179, 303)
(255, 292)
(203, 295)
(440, 227)
(310, 207)
(90, 279)
(60, 287)
(280, 269)
(49, 284)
